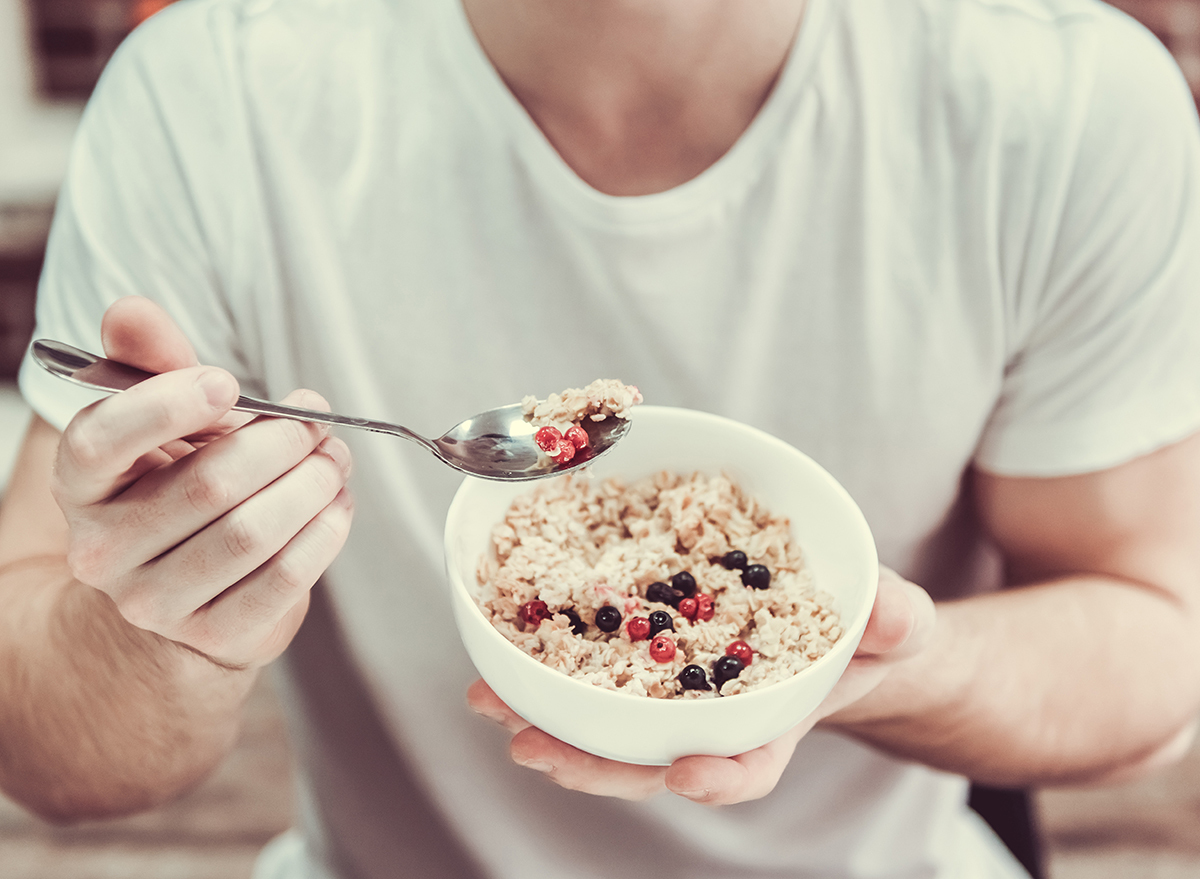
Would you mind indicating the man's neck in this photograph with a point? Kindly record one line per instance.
(638, 96)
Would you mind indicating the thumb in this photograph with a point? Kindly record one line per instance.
(902, 619)
(140, 333)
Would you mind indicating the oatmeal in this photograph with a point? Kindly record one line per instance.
(672, 586)
(559, 417)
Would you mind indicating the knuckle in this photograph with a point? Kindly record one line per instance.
(298, 567)
(59, 490)
(206, 488)
(84, 442)
(326, 476)
(300, 564)
(244, 536)
(294, 572)
(334, 527)
(202, 633)
(210, 638)
(87, 560)
(139, 609)
(326, 534)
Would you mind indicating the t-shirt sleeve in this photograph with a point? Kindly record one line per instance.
(1108, 362)
(142, 210)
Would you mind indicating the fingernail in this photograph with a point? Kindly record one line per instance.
(696, 795)
(216, 387)
(337, 450)
(498, 718)
(536, 766)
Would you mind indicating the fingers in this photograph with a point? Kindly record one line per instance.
(162, 594)
(577, 770)
(484, 701)
(139, 332)
(721, 781)
(252, 622)
(902, 619)
(901, 626)
(167, 506)
(708, 780)
(107, 438)
(566, 766)
(202, 525)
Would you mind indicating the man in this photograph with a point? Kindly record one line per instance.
(947, 248)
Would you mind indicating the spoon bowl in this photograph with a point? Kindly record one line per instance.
(497, 444)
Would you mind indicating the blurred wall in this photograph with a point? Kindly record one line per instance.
(1177, 24)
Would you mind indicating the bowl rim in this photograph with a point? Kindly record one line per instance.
(851, 633)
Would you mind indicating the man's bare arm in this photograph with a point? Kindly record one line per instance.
(152, 558)
(1090, 666)
(100, 717)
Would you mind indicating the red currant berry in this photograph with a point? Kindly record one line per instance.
(547, 438)
(662, 648)
(578, 436)
(689, 607)
(704, 607)
(565, 451)
(533, 612)
(638, 629)
(740, 650)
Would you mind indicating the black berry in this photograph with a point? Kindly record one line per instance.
(578, 626)
(685, 584)
(757, 577)
(735, 560)
(693, 678)
(661, 593)
(726, 669)
(660, 621)
(608, 619)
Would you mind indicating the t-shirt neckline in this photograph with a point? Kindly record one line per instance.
(730, 174)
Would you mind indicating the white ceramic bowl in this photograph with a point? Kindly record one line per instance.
(827, 524)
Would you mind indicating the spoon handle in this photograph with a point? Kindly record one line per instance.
(111, 377)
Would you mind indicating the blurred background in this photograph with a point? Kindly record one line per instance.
(51, 53)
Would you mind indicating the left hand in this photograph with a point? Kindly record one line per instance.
(900, 626)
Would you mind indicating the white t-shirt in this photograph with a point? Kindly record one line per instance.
(959, 232)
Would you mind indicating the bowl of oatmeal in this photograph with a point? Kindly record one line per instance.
(698, 590)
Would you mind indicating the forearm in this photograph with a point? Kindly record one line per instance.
(101, 718)
(1053, 683)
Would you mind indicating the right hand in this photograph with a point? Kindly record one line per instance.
(203, 526)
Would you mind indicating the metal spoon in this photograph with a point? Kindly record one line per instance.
(497, 444)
